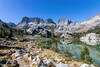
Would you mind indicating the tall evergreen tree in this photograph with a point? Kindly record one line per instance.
(54, 44)
(52, 33)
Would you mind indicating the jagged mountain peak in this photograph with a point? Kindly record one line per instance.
(49, 21)
(64, 21)
(4, 25)
(36, 19)
(29, 21)
(25, 19)
(61, 26)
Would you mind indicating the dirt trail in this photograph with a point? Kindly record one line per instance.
(22, 63)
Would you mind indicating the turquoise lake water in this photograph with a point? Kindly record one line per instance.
(74, 47)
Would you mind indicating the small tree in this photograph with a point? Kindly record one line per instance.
(85, 55)
(89, 58)
(66, 53)
(82, 56)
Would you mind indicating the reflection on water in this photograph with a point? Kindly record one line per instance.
(91, 42)
(74, 47)
(65, 41)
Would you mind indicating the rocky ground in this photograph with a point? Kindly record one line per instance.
(29, 54)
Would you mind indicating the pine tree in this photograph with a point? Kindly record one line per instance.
(52, 33)
(89, 58)
(85, 55)
(66, 53)
(82, 56)
(54, 44)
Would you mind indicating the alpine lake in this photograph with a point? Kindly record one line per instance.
(74, 47)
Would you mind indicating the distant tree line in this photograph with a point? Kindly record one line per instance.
(2, 33)
(11, 32)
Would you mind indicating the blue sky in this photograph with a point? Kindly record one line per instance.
(75, 10)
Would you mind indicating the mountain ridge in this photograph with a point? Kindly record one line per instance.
(37, 25)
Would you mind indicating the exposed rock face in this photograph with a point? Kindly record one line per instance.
(62, 25)
(91, 23)
(65, 26)
(75, 27)
(68, 26)
(4, 25)
(29, 22)
(36, 26)
(11, 24)
(49, 21)
(23, 23)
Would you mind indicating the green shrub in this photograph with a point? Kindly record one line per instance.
(66, 53)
